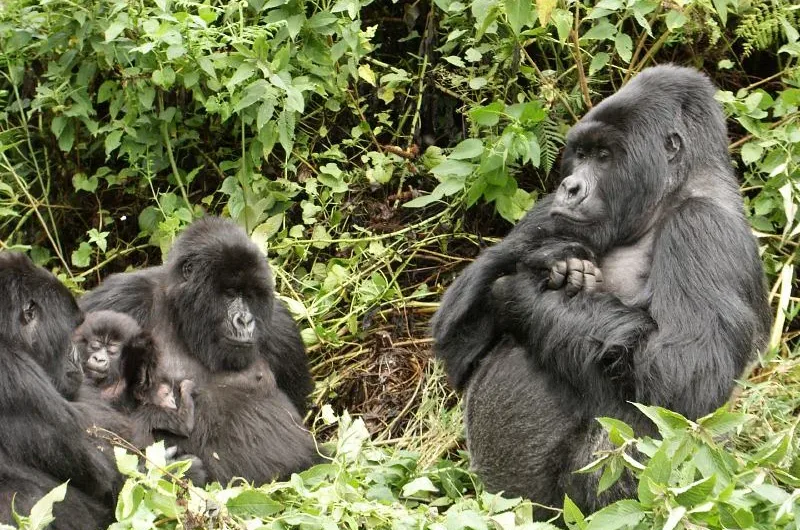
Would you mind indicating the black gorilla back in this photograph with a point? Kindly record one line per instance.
(46, 445)
(650, 200)
(212, 312)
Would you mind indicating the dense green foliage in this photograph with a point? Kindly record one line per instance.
(369, 148)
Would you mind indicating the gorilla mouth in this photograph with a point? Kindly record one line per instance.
(240, 342)
(568, 215)
(96, 374)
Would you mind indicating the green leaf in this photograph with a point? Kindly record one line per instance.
(751, 152)
(112, 141)
(115, 28)
(82, 257)
(618, 431)
(722, 422)
(675, 19)
(655, 477)
(722, 9)
(81, 183)
(467, 149)
(624, 46)
(611, 474)
(365, 72)
(573, 516)
(67, 136)
(621, 514)
(489, 115)
(518, 13)
(599, 61)
(732, 517)
(242, 74)
(603, 30)
(675, 516)
(254, 503)
(667, 421)
(694, 493)
(544, 9)
(42, 512)
(455, 168)
(420, 485)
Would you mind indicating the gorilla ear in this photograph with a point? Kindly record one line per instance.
(29, 313)
(673, 145)
(186, 270)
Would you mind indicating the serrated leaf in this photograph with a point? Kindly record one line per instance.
(417, 486)
(722, 421)
(694, 493)
(253, 503)
(114, 29)
(573, 516)
(675, 516)
(624, 46)
(489, 115)
(621, 514)
(667, 421)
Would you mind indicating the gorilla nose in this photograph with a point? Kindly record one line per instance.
(244, 323)
(572, 191)
(99, 362)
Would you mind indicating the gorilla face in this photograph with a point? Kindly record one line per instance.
(220, 290)
(39, 313)
(619, 165)
(100, 340)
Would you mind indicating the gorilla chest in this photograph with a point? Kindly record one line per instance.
(627, 269)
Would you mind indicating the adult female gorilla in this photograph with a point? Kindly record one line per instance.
(649, 199)
(212, 312)
(42, 439)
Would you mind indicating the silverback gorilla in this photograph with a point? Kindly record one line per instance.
(42, 438)
(637, 280)
(214, 317)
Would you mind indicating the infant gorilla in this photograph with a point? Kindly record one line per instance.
(120, 360)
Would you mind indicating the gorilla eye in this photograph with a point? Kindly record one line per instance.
(579, 154)
(186, 270)
(94, 345)
(29, 312)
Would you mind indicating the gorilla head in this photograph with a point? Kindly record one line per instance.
(636, 148)
(220, 291)
(44, 314)
(100, 341)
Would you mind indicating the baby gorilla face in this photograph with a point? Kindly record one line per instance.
(101, 357)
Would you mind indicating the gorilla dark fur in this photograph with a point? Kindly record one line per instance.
(638, 280)
(213, 314)
(121, 361)
(46, 445)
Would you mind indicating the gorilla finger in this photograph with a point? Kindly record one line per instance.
(598, 277)
(557, 275)
(574, 282)
(170, 452)
(589, 283)
(574, 264)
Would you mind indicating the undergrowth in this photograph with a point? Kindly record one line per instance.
(372, 149)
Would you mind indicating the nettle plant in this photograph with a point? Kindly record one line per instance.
(524, 70)
(198, 105)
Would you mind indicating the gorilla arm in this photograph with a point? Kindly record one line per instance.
(685, 351)
(464, 327)
(708, 300)
(54, 439)
(286, 355)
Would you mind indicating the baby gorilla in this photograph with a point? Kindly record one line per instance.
(120, 360)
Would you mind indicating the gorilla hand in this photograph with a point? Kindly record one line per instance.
(575, 275)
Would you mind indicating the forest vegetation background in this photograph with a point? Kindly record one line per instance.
(372, 149)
